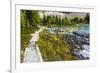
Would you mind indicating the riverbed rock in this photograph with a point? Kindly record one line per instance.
(79, 44)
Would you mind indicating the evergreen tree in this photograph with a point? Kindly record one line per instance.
(86, 19)
(44, 20)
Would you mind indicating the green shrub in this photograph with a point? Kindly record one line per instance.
(53, 47)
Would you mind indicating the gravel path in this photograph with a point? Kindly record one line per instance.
(32, 53)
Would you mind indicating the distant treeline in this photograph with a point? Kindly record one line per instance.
(32, 18)
(58, 20)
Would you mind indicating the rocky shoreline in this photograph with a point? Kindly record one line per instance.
(78, 41)
(79, 44)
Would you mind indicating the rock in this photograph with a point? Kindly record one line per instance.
(81, 34)
(79, 44)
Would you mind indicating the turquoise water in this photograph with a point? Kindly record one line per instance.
(84, 28)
